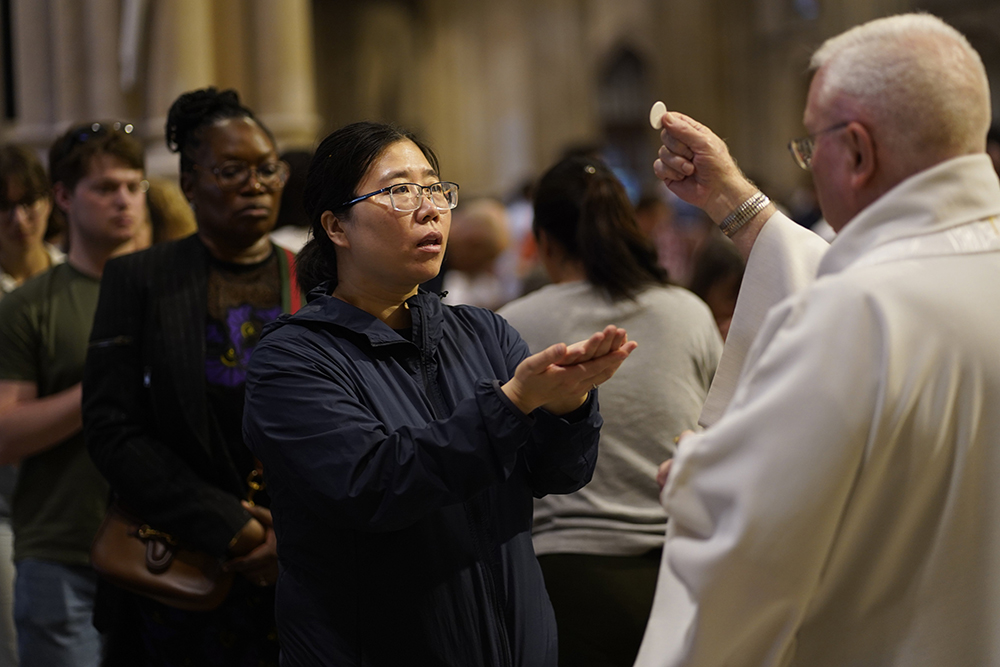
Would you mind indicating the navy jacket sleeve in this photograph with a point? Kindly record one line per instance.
(561, 454)
(562, 450)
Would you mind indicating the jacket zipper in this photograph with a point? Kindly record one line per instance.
(491, 592)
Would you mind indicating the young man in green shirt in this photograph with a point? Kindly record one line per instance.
(98, 182)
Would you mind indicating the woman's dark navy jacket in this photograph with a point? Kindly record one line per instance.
(401, 482)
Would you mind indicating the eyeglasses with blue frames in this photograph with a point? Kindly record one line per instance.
(802, 149)
(406, 197)
(233, 175)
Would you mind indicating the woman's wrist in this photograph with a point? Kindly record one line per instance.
(567, 406)
(511, 390)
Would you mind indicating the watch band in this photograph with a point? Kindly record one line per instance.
(744, 213)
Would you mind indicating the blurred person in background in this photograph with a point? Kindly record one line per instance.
(59, 500)
(677, 231)
(993, 146)
(291, 230)
(516, 262)
(599, 548)
(25, 205)
(478, 238)
(716, 278)
(651, 214)
(170, 214)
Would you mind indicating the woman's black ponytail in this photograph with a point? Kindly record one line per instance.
(583, 207)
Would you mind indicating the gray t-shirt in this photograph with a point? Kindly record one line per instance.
(657, 393)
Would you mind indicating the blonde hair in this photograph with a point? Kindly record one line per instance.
(170, 215)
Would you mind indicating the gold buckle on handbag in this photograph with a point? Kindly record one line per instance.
(255, 483)
(147, 533)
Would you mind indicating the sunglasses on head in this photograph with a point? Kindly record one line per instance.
(84, 133)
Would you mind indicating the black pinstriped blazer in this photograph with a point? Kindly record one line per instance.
(145, 412)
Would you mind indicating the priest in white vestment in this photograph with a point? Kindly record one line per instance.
(842, 506)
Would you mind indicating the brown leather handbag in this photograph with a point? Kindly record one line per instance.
(133, 556)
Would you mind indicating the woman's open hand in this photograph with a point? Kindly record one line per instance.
(559, 377)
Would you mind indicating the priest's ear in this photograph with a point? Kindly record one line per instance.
(864, 160)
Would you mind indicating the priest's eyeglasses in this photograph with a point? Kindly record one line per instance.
(802, 149)
(406, 197)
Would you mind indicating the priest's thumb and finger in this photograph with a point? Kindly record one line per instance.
(663, 472)
(696, 165)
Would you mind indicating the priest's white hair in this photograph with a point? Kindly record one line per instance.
(918, 79)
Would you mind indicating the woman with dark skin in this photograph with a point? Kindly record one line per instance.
(163, 389)
(404, 439)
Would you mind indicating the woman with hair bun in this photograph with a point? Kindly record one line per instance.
(599, 548)
(163, 387)
(404, 439)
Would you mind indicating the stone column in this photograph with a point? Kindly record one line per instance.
(764, 50)
(508, 123)
(232, 39)
(564, 104)
(434, 95)
(181, 58)
(100, 28)
(691, 57)
(283, 61)
(839, 16)
(381, 80)
(32, 75)
(65, 40)
(463, 121)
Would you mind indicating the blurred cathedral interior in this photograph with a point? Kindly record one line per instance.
(500, 89)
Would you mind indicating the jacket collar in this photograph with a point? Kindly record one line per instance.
(950, 194)
(329, 312)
